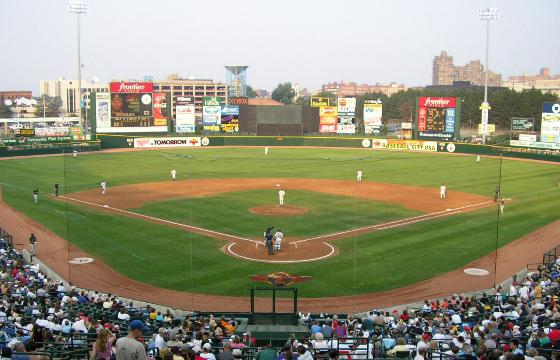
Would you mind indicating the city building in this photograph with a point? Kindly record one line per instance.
(197, 88)
(67, 90)
(13, 95)
(261, 93)
(543, 81)
(342, 89)
(444, 72)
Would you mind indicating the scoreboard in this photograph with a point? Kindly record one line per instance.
(437, 118)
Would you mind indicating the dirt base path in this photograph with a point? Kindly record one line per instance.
(54, 251)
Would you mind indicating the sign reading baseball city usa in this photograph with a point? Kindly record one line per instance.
(438, 118)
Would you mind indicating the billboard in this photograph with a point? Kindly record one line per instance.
(373, 112)
(166, 142)
(211, 113)
(346, 115)
(411, 145)
(184, 114)
(131, 87)
(437, 118)
(550, 122)
(317, 101)
(103, 111)
(238, 100)
(160, 109)
(522, 124)
(328, 119)
(230, 118)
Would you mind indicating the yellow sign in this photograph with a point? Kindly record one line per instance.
(490, 128)
(320, 101)
(485, 106)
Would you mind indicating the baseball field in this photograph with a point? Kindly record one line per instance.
(203, 232)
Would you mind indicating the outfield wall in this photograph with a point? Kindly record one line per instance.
(110, 141)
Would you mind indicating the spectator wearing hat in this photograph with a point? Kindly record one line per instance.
(207, 352)
(128, 348)
(226, 353)
(237, 354)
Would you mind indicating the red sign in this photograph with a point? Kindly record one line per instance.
(131, 87)
(422, 113)
(239, 101)
(437, 102)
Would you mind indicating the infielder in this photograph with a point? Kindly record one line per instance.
(281, 195)
(497, 194)
(477, 159)
(359, 175)
(56, 187)
(278, 237)
(36, 196)
(502, 206)
(266, 150)
(103, 187)
(173, 174)
(442, 192)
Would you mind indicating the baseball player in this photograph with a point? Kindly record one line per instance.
(278, 237)
(103, 187)
(477, 159)
(497, 194)
(36, 196)
(442, 192)
(56, 187)
(75, 153)
(281, 195)
(359, 175)
(266, 150)
(502, 206)
(268, 241)
(173, 174)
(33, 241)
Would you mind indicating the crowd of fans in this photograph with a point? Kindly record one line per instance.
(40, 318)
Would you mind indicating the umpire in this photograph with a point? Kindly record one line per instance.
(268, 240)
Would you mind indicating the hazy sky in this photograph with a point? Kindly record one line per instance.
(309, 42)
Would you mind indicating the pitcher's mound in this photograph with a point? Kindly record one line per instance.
(277, 210)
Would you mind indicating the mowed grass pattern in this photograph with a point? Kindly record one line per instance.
(171, 258)
(229, 213)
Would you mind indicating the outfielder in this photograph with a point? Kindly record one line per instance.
(477, 159)
(281, 195)
(266, 150)
(75, 153)
(278, 237)
(103, 187)
(359, 175)
(36, 196)
(442, 192)
(502, 206)
(173, 174)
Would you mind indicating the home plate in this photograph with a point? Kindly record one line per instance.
(476, 272)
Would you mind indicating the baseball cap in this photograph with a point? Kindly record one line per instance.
(207, 346)
(136, 325)
(236, 353)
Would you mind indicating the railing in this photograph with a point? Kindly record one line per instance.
(551, 255)
(6, 238)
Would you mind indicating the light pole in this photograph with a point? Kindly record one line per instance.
(486, 15)
(78, 8)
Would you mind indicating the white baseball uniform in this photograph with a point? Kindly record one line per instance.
(281, 195)
(502, 206)
(278, 237)
(359, 175)
(266, 150)
(75, 154)
(103, 187)
(477, 158)
(173, 174)
(442, 191)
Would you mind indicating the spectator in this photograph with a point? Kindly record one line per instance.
(103, 346)
(267, 353)
(207, 352)
(226, 353)
(129, 348)
(303, 353)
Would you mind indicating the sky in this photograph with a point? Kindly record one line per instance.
(309, 42)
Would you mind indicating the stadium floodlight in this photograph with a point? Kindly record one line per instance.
(486, 15)
(79, 8)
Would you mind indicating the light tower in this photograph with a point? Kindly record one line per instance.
(79, 8)
(236, 76)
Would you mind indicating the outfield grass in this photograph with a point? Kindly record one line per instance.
(381, 260)
(229, 213)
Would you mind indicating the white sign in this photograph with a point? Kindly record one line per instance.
(184, 118)
(166, 142)
(535, 144)
(406, 125)
(103, 111)
(527, 137)
(346, 129)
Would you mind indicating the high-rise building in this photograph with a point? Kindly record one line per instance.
(444, 72)
(67, 90)
(543, 81)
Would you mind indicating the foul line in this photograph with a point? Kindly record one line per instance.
(396, 223)
(230, 246)
(188, 227)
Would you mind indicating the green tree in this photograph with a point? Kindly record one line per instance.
(284, 93)
(5, 111)
(250, 92)
(51, 106)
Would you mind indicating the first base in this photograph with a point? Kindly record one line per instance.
(277, 184)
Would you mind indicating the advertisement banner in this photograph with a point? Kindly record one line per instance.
(184, 114)
(373, 113)
(131, 87)
(211, 118)
(131, 110)
(238, 100)
(522, 124)
(328, 119)
(550, 122)
(160, 109)
(26, 132)
(527, 137)
(437, 117)
(35, 140)
(536, 144)
(52, 131)
(347, 106)
(320, 101)
(103, 111)
(211, 101)
(230, 118)
(490, 128)
(166, 142)
(412, 145)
